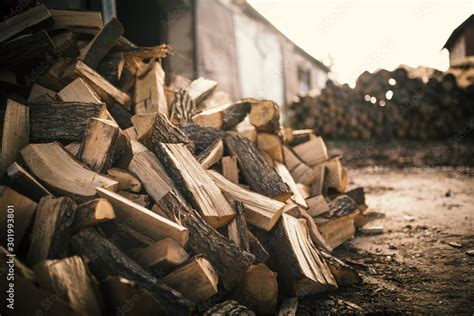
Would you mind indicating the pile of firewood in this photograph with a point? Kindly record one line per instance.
(124, 195)
(405, 104)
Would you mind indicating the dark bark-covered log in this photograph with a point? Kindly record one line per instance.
(343, 273)
(61, 121)
(237, 229)
(257, 249)
(288, 307)
(52, 229)
(229, 307)
(182, 108)
(202, 137)
(340, 206)
(26, 21)
(105, 259)
(259, 175)
(358, 195)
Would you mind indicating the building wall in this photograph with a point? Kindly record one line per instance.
(458, 51)
(469, 40)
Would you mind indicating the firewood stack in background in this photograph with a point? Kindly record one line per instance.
(407, 103)
(133, 196)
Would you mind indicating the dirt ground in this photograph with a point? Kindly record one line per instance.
(420, 264)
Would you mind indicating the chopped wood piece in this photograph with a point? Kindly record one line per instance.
(340, 206)
(73, 148)
(58, 75)
(39, 93)
(140, 199)
(259, 175)
(343, 273)
(247, 130)
(16, 133)
(149, 91)
(259, 290)
(202, 137)
(26, 182)
(154, 128)
(212, 155)
(65, 42)
(61, 121)
(75, 19)
(309, 272)
(61, 174)
(317, 205)
(78, 91)
(372, 229)
(334, 178)
(28, 20)
(318, 186)
(358, 195)
(291, 160)
(265, 116)
(197, 280)
(17, 212)
(257, 249)
(126, 180)
(237, 229)
(123, 235)
(288, 307)
(304, 174)
(229, 307)
(312, 152)
(304, 190)
(36, 47)
(271, 144)
(288, 179)
(111, 261)
(143, 220)
(51, 229)
(104, 146)
(92, 213)
(195, 184)
(182, 107)
(131, 133)
(229, 169)
(225, 116)
(69, 277)
(200, 88)
(161, 256)
(338, 229)
(117, 290)
(102, 87)
(260, 211)
(101, 44)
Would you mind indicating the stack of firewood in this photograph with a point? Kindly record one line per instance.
(405, 104)
(124, 195)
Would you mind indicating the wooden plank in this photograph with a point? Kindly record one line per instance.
(79, 91)
(145, 221)
(17, 212)
(26, 182)
(259, 175)
(102, 43)
(149, 91)
(312, 152)
(16, 132)
(230, 171)
(29, 20)
(92, 213)
(70, 278)
(260, 211)
(61, 121)
(51, 229)
(61, 173)
(195, 184)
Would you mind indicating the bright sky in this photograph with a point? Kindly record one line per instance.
(367, 34)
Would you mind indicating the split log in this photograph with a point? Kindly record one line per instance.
(17, 212)
(195, 184)
(71, 280)
(265, 116)
(102, 43)
(334, 175)
(140, 199)
(260, 211)
(301, 267)
(149, 91)
(38, 93)
(77, 19)
(73, 148)
(34, 18)
(304, 174)
(16, 133)
(259, 175)
(197, 279)
(202, 137)
(312, 152)
(225, 116)
(102, 87)
(270, 144)
(51, 229)
(247, 130)
(61, 121)
(104, 145)
(123, 236)
(358, 195)
(259, 290)
(319, 186)
(291, 160)
(92, 213)
(58, 75)
(200, 88)
(341, 205)
(229, 307)
(211, 155)
(126, 180)
(257, 249)
(230, 171)
(105, 259)
(61, 174)
(26, 182)
(182, 107)
(343, 273)
(317, 205)
(79, 91)
(237, 229)
(288, 307)
(143, 220)
(161, 256)
(288, 179)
